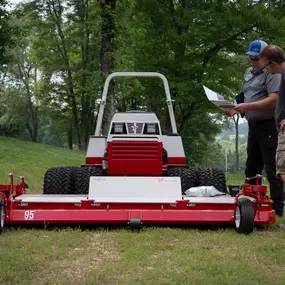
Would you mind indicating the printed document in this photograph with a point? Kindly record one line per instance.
(219, 101)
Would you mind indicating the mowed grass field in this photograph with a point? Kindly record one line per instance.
(153, 255)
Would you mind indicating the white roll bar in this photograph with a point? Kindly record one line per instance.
(135, 74)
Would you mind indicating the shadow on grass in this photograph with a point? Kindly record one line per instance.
(199, 227)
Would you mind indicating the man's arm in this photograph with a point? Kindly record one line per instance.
(267, 103)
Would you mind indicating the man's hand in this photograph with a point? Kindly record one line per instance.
(243, 107)
(282, 177)
(282, 125)
(230, 114)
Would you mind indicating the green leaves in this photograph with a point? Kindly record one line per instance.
(193, 43)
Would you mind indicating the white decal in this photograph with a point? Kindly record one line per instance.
(29, 215)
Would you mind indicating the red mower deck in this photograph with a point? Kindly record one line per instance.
(248, 208)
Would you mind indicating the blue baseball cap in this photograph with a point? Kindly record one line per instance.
(256, 47)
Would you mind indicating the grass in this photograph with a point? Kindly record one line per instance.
(32, 160)
(238, 178)
(153, 255)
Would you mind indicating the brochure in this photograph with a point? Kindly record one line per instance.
(219, 101)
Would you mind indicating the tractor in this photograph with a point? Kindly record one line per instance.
(135, 146)
(136, 175)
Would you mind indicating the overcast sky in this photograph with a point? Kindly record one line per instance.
(15, 1)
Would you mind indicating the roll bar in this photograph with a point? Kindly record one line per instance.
(135, 74)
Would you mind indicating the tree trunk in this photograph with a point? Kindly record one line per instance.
(236, 120)
(106, 57)
(57, 14)
(86, 112)
(33, 111)
(179, 53)
(69, 136)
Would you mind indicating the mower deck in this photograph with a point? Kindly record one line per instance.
(39, 198)
(135, 201)
(78, 209)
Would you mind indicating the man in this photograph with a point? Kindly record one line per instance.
(274, 58)
(260, 89)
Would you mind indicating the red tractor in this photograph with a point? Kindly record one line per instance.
(135, 175)
(134, 146)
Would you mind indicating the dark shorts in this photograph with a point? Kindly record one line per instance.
(280, 154)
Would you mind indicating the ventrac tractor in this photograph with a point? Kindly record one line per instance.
(135, 175)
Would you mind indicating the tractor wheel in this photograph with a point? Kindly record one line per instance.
(244, 216)
(2, 215)
(59, 180)
(187, 176)
(211, 177)
(83, 177)
(164, 156)
(220, 180)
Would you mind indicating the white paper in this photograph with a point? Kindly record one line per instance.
(219, 101)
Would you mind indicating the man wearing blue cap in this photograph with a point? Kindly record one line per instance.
(260, 90)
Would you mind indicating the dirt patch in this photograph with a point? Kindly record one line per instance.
(98, 250)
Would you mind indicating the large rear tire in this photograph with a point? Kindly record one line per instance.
(244, 216)
(59, 180)
(211, 177)
(83, 177)
(187, 176)
(2, 215)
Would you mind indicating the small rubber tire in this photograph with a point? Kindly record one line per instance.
(244, 216)
(2, 215)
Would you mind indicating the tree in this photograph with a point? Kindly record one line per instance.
(6, 39)
(71, 69)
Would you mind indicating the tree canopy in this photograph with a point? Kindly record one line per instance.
(54, 78)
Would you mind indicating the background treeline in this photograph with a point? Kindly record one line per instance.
(56, 54)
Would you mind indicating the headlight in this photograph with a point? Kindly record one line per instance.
(151, 128)
(118, 128)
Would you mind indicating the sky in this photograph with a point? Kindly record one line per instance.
(15, 1)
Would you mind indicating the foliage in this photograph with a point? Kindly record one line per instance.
(12, 112)
(72, 45)
(5, 31)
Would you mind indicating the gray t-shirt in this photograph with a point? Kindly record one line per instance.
(257, 88)
(280, 107)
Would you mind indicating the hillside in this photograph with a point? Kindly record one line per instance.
(243, 130)
(32, 160)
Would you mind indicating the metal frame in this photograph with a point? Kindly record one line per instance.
(135, 74)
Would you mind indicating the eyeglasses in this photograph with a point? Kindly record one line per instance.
(254, 58)
(269, 63)
(261, 70)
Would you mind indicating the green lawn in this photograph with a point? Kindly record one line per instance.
(238, 178)
(32, 160)
(152, 255)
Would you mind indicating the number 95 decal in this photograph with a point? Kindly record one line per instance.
(29, 215)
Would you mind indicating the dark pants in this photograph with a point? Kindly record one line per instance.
(261, 151)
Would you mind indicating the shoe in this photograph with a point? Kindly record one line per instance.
(281, 226)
